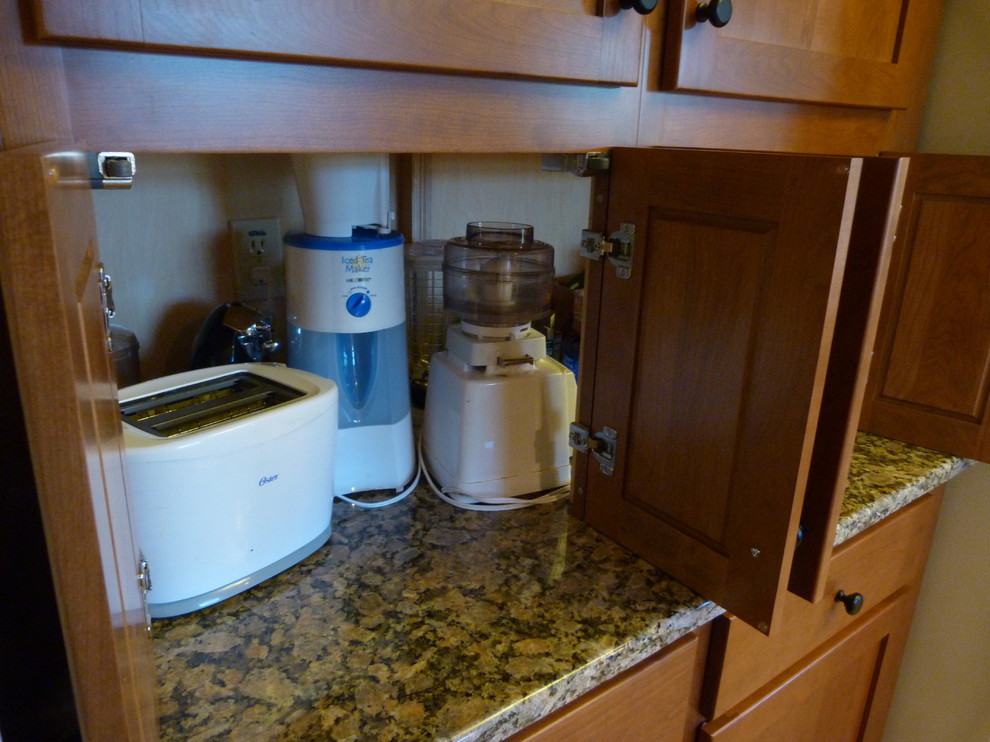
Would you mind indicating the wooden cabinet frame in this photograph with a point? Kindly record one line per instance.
(157, 100)
(484, 37)
(780, 53)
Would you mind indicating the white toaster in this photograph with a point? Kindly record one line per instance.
(230, 477)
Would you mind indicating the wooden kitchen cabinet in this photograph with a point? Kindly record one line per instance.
(205, 99)
(575, 40)
(840, 693)
(929, 384)
(478, 76)
(841, 52)
(825, 675)
(708, 356)
(655, 701)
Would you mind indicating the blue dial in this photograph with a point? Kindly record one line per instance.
(358, 305)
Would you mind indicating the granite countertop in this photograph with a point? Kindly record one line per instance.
(420, 621)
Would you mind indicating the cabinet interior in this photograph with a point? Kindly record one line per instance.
(165, 241)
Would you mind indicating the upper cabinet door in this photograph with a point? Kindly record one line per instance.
(710, 359)
(930, 380)
(53, 290)
(845, 52)
(580, 40)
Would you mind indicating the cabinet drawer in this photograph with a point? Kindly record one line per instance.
(656, 701)
(841, 691)
(876, 563)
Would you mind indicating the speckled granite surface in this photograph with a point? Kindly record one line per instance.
(885, 475)
(420, 621)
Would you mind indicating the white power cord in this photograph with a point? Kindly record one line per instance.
(470, 502)
(392, 500)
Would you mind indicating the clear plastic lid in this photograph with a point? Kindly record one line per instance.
(497, 275)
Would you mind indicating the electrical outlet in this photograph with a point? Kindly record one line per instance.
(258, 263)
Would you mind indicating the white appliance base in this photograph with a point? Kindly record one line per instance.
(195, 603)
(498, 436)
(374, 457)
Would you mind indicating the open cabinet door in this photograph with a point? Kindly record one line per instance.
(52, 291)
(710, 359)
(930, 384)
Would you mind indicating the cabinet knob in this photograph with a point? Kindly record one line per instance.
(716, 12)
(643, 7)
(853, 602)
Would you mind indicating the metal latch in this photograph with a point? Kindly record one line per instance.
(617, 249)
(578, 164)
(601, 445)
(111, 169)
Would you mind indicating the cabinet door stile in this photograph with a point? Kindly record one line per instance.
(871, 243)
(594, 272)
(50, 284)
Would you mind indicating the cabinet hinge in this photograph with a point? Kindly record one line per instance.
(617, 249)
(578, 164)
(602, 446)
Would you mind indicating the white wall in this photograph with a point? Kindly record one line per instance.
(957, 111)
(164, 242)
(944, 689)
(510, 188)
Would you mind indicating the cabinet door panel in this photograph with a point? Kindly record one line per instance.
(930, 381)
(828, 51)
(710, 361)
(548, 39)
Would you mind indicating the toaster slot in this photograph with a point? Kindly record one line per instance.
(205, 404)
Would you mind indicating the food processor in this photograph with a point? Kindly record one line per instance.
(498, 408)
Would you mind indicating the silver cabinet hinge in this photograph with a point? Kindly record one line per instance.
(603, 446)
(578, 164)
(617, 249)
(111, 169)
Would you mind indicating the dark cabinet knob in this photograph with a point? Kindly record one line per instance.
(853, 602)
(643, 7)
(716, 12)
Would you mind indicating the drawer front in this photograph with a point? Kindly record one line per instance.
(841, 691)
(655, 701)
(876, 563)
